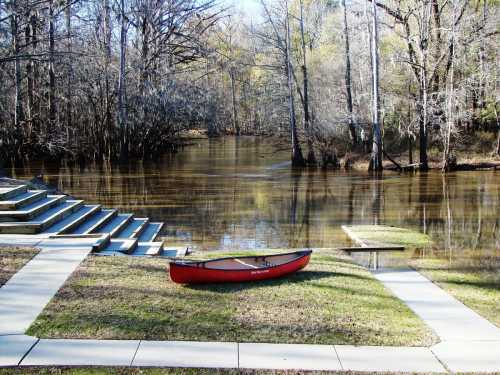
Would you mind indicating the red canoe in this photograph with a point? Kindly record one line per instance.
(238, 269)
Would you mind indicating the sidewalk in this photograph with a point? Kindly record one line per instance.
(25, 295)
(469, 342)
(216, 355)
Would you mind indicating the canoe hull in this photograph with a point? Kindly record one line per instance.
(182, 274)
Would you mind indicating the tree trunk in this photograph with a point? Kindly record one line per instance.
(410, 150)
(311, 158)
(422, 129)
(29, 77)
(498, 130)
(36, 70)
(144, 53)
(376, 157)
(52, 76)
(424, 87)
(297, 157)
(348, 80)
(108, 122)
(14, 24)
(438, 40)
(482, 59)
(69, 82)
(236, 125)
(122, 98)
(448, 161)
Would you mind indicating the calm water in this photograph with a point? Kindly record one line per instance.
(241, 194)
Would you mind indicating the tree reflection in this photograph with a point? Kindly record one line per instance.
(223, 194)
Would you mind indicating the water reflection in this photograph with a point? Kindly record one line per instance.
(240, 193)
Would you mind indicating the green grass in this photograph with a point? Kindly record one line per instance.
(478, 288)
(391, 235)
(331, 301)
(12, 259)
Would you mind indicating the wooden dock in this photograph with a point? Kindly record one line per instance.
(370, 246)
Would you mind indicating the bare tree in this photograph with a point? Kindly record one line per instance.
(52, 75)
(311, 158)
(297, 157)
(348, 80)
(122, 99)
(376, 158)
(14, 22)
(448, 160)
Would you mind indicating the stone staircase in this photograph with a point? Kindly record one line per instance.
(36, 213)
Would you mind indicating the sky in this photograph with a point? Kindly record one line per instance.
(250, 8)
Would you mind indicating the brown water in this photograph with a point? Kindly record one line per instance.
(240, 194)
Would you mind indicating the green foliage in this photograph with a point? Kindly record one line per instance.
(491, 111)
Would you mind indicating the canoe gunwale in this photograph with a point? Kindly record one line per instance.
(193, 264)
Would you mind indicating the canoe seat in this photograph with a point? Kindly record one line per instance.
(245, 264)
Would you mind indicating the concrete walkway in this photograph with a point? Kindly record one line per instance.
(469, 342)
(29, 351)
(26, 294)
(448, 317)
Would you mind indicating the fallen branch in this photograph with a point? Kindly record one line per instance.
(398, 166)
(476, 166)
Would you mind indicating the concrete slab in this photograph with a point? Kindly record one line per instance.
(7, 192)
(380, 358)
(123, 245)
(150, 233)
(82, 353)
(58, 244)
(148, 249)
(461, 356)
(20, 240)
(288, 356)
(13, 348)
(448, 317)
(94, 222)
(25, 295)
(187, 354)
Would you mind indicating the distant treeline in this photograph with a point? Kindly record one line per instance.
(117, 79)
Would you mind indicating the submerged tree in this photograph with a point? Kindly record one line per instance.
(348, 79)
(376, 157)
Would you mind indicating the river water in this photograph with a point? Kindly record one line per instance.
(241, 193)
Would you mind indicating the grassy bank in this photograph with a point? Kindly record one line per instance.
(478, 288)
(12, 259)
(332, 301)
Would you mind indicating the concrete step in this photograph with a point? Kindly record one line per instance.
(33, 209)
(114, 226)
(96, 221)
(148, 249)
(11, 191)
(42, 221)
(174, 252)
(110, 253)
(74, 220)
(96, 241)
(121, 245)
(22, 200)
(134, 228)
(150, 233)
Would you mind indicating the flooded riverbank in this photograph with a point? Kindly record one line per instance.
(234, 193)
